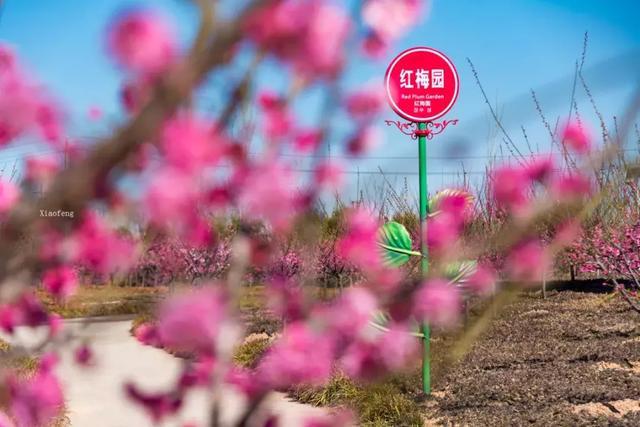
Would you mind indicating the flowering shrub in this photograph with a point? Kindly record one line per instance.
(182, 189)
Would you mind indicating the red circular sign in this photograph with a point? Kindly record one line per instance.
(421, 84)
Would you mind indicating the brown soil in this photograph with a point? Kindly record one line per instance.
(572, 359)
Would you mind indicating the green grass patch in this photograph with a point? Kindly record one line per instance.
(390, 402)
(248, 353)
(21, 365)
(105, 300)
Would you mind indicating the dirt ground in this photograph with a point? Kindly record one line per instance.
(572, 359)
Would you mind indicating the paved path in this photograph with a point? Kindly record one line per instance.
(95, 397)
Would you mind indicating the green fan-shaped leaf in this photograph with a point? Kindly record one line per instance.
(433, 204)
(459, 271)
(395, 244)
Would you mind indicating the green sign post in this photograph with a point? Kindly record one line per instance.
(422, 85)
(424, 262)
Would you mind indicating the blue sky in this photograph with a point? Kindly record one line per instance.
(516, 46)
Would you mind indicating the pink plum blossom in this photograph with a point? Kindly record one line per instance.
(198, 373)
(359, 244)
(539, 168)
(351, 314)
(147, 334)
(9, 316)
(83, 356)
(388, 20)
(366, 102)
(301, 355)
(328, 175)
(327, 33)
(570, 186)
(442, 232)
(456, 203)
(307, 140)
(309, 35)
(365, 140)
(158, 405)
(576, 137)
(528, 261)
(9, 195)
(61, 282)
(568, 232)
(95, 245)
(41, 169)
(437, 302)
(286, 299)
(142, 41)
(277, 120)
(370, 357)
(482, 281)
(26, 310)
(23, 106)
(193, 322)
(190, 143)
(48, 121)
(5, 421)
(135, 93)
(268, 193)
(37, 399)
(170, 197)
(510, 186)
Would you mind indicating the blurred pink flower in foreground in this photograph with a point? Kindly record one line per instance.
(83, 356)
(193, 322)
(268, 193)
(142, 41)
(351, 314)
(170, 198)
(458, 203)
(359, 243)
(157, 405)
(5, 421)
(539, 168)
(369, 357)
(190, 143)
(366, 102)
(309, 34)
(576, 137)
(527, 261)
(570, 186)
(301, 355)
(277, 119)
(61, 282)
(95, 245)
(23, 106)
(307, 140)
(41, 169)
(328, 175)
(36, 400)
(147, 334)
(483, 281)
(442, 232)
(388, 20)
(325, 41)
(365, 140)
(510, 186)
(437, 302)
(9, 195)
